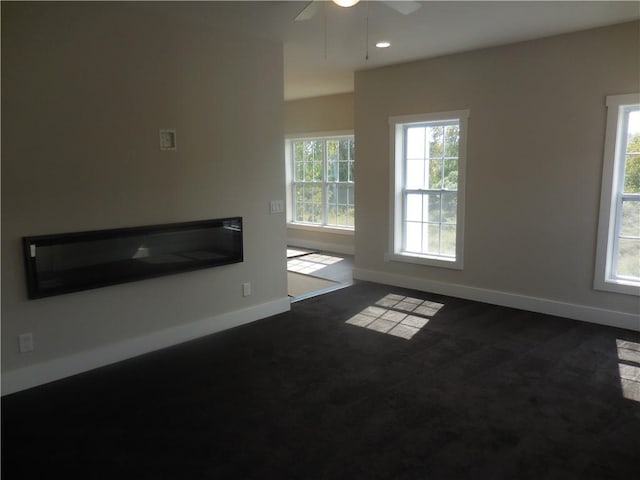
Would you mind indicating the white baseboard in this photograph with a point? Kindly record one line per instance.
(600, 316)
(39, 374)
(323, 246)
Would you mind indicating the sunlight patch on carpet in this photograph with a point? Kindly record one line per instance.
(396, 315)
(311, 263)
(629, 369)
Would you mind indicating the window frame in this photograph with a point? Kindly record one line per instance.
(397, 125)
(611, 197)
(291, 183)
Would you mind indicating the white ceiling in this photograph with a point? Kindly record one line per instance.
(437, 28)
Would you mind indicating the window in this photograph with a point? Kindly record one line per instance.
(428, 188)
(618, 253)
(322, 173)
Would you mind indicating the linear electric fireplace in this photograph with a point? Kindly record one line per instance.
(70, 262)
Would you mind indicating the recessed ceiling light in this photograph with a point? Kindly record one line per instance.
(384, 44)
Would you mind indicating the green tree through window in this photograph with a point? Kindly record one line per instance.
(323, 181)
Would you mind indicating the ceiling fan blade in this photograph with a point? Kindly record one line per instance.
(309, 11)
(404, 8)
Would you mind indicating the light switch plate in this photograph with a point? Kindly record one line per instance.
(276, 206)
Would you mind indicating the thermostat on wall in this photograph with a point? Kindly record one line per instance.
(167, 139)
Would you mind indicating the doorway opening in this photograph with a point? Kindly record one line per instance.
(313, 272)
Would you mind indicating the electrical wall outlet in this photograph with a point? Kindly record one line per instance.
(246, 289)
(25, 342)
(168, 140)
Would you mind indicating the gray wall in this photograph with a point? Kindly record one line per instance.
(85, 89)
(534, 162)
(328, 114)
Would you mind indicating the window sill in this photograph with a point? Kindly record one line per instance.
(443, 262)
(618, 286)
(321, 229)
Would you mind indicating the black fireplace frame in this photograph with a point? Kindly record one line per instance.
(115, 245)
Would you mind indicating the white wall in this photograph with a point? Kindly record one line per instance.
(330, 113)
(534, 164)
(318, 115)
(85, 89)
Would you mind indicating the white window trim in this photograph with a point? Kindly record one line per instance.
(289, 181)
(396, 144)
(612, 172)
(323, 228)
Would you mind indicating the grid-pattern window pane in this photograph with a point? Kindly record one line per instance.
(323, 181)
(308, 203)
(626, 254)
(341, 205)
(431, 184)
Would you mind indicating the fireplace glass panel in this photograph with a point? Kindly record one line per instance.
(77, 261)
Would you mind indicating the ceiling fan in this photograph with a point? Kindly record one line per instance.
(403, 7)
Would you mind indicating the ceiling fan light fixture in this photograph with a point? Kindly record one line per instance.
(345, 3)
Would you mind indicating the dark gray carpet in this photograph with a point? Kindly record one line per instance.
(479, 392)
